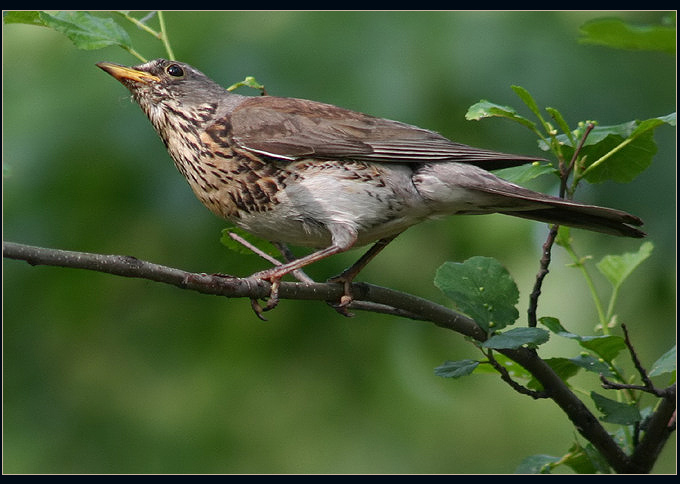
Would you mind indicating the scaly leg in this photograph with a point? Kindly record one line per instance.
(348, 275)
(275, 274)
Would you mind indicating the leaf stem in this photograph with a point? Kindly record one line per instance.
(164, 36)
(141, 25)
(593, 292)
(604, 158)
(136, 54)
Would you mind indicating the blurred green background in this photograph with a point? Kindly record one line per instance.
(103, 374)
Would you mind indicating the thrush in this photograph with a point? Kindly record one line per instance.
(316, 175)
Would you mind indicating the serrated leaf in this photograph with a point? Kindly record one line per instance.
(523, 173)
(456, 369)
(615, 33)
(616, 268)
(516, 337)
(30, 17)
(537, 464)
(487, 109)
(87, 31)
(665, 364)
(616, 412)
(481, 288)
(236, 246)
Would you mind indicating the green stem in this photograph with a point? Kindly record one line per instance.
(135, 53)
(593, 292)
(164, 36)
(604, 158)
(142, 25)
(612, 303)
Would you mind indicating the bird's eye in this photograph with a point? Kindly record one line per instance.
(174, 70)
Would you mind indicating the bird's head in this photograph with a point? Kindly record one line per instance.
(168, 89)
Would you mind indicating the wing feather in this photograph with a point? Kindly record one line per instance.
(290, 129)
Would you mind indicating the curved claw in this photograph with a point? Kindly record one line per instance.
(347, 296)
(273, 300)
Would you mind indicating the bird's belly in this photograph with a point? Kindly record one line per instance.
(371, 201)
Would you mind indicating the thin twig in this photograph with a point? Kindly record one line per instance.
(542, 272)
(648, 384)
(164, 36)
(544, 263)
(505, 376)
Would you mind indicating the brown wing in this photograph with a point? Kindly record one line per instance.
(290, 128)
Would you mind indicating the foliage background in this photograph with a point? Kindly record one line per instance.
(103, 374)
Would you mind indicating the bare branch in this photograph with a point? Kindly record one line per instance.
(370, 298)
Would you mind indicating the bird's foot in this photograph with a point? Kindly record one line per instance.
(273, 300)
(347, 298)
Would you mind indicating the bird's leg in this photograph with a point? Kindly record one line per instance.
(288, 256)
(275, 274)
(347, 276)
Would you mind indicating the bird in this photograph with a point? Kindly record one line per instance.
(311, 174)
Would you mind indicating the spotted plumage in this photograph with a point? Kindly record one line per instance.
(313, 174)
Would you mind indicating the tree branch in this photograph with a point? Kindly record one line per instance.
(368, 297)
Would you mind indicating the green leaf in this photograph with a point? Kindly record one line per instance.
(616, 268)
(481, 288)
(606, 347)
(620, 152)
(563, 367)
(554, 325)
(515, 370)
(456, 369)
(87, 31)
(527, 99)
(622, 166)
(585, 460)
(523, 173)
(537, 464)
(617, 34)
(486, 109)
(249, 81)
(592, 364)
(232, 244)
(516, 337)
(559, 119)
(649, 124)
(30, 17)
(616, 412)
(665, 364)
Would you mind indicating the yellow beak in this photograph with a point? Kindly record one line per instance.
(123, 73)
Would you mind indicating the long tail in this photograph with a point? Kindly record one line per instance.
(463, 188)
(590, 217)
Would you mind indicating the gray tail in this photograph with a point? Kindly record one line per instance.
(589, 217)
(608, 221)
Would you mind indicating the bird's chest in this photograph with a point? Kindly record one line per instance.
(229, 182)
(295, 201)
